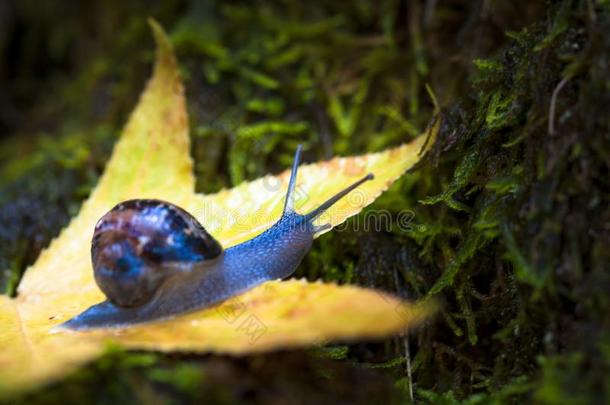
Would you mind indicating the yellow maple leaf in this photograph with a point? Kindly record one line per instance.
(151, 160)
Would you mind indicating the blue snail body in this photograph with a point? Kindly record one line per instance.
(153, 260)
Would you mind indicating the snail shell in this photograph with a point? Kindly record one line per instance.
(139, 244)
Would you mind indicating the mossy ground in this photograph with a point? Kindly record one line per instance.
(509, 210)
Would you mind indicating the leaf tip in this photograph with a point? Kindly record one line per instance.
(414, 314)
(162, 41)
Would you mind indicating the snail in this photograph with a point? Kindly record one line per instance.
(154, 260)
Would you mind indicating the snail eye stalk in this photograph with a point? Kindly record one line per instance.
(290, 194)
(332, 200)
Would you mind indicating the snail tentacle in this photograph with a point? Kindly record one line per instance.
(290, 193)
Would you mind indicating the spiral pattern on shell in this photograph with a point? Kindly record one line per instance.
(139, 244)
